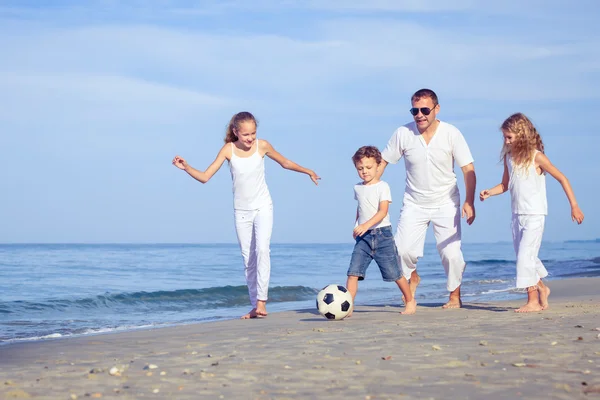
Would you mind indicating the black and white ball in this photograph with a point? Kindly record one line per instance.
(334, 302)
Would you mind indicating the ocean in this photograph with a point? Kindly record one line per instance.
(59, 290)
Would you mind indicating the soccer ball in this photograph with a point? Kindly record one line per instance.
(334, 302)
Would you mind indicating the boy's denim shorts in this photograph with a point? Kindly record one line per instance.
(376, 244)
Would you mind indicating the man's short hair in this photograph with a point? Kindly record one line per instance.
(423, 93)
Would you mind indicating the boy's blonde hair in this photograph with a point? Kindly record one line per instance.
(527, 140)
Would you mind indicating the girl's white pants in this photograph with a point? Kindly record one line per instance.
(527, 233)
(254, 228)
(410, 239)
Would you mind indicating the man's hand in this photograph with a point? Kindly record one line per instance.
(468, 211)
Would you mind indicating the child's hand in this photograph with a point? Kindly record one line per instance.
(359, 231)
(180, 163)
(314, 177)
(576, 214)
(484, 194)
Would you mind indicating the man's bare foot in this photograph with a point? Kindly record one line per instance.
(544, 294)
(251, 314)
(530, 307)
(454, 301)
(414, 281)
(410, 307)
(261, 308)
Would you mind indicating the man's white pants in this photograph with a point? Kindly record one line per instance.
(410, 239)
(254, 228)
(527, 233)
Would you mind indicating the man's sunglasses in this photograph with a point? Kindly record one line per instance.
(424, 110)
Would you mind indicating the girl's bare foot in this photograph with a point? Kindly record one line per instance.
(410, 307)
(544, 294)
(261, 308)
(251, 314)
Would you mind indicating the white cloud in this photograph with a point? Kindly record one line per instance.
(349, 51)
(98, 98)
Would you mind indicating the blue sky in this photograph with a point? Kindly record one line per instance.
(96, 99)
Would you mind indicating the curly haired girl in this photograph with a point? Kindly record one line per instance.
(525, 168)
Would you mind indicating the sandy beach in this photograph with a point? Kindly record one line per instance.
(480, 351)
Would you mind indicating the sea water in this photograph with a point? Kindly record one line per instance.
(60, 290)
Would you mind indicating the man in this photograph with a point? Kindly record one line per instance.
(430, 147)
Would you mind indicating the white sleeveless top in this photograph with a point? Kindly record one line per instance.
(527, 189)
(250, 191)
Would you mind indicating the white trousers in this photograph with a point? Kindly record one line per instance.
(527, 233)
(410, 239)
(254, 228)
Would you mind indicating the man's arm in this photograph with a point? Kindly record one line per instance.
(381, 169)
(468, 209)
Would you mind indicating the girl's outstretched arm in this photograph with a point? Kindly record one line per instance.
(546, 165)
(285, 163)
(203, 176)
(498, 189)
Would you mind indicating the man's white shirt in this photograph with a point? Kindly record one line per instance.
(430, 178)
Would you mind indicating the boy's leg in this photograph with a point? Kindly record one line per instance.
(410, 241)
(263, 228)
(410, 304)
(352, 286)
(446, 228)
(361, 258)
(386, 257)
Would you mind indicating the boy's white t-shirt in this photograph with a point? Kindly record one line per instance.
(369, 197)
(430, 177)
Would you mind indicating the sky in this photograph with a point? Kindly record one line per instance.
(97, 97)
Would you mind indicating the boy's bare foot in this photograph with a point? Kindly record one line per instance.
(530, 307)
(454, 301)
(414, 281)
(410, 307)
(544, 294)
(251, 314)
(261, 308)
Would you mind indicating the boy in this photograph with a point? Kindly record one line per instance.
(373, 230)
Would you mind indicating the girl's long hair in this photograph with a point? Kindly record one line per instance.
(527, 140)
(234, 125)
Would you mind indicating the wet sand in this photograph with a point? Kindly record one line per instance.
(484, 350)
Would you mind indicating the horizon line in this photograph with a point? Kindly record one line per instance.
(273, 243)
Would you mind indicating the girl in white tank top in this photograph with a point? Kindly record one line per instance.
(525, 169)
(253, 209)
(250, 191)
